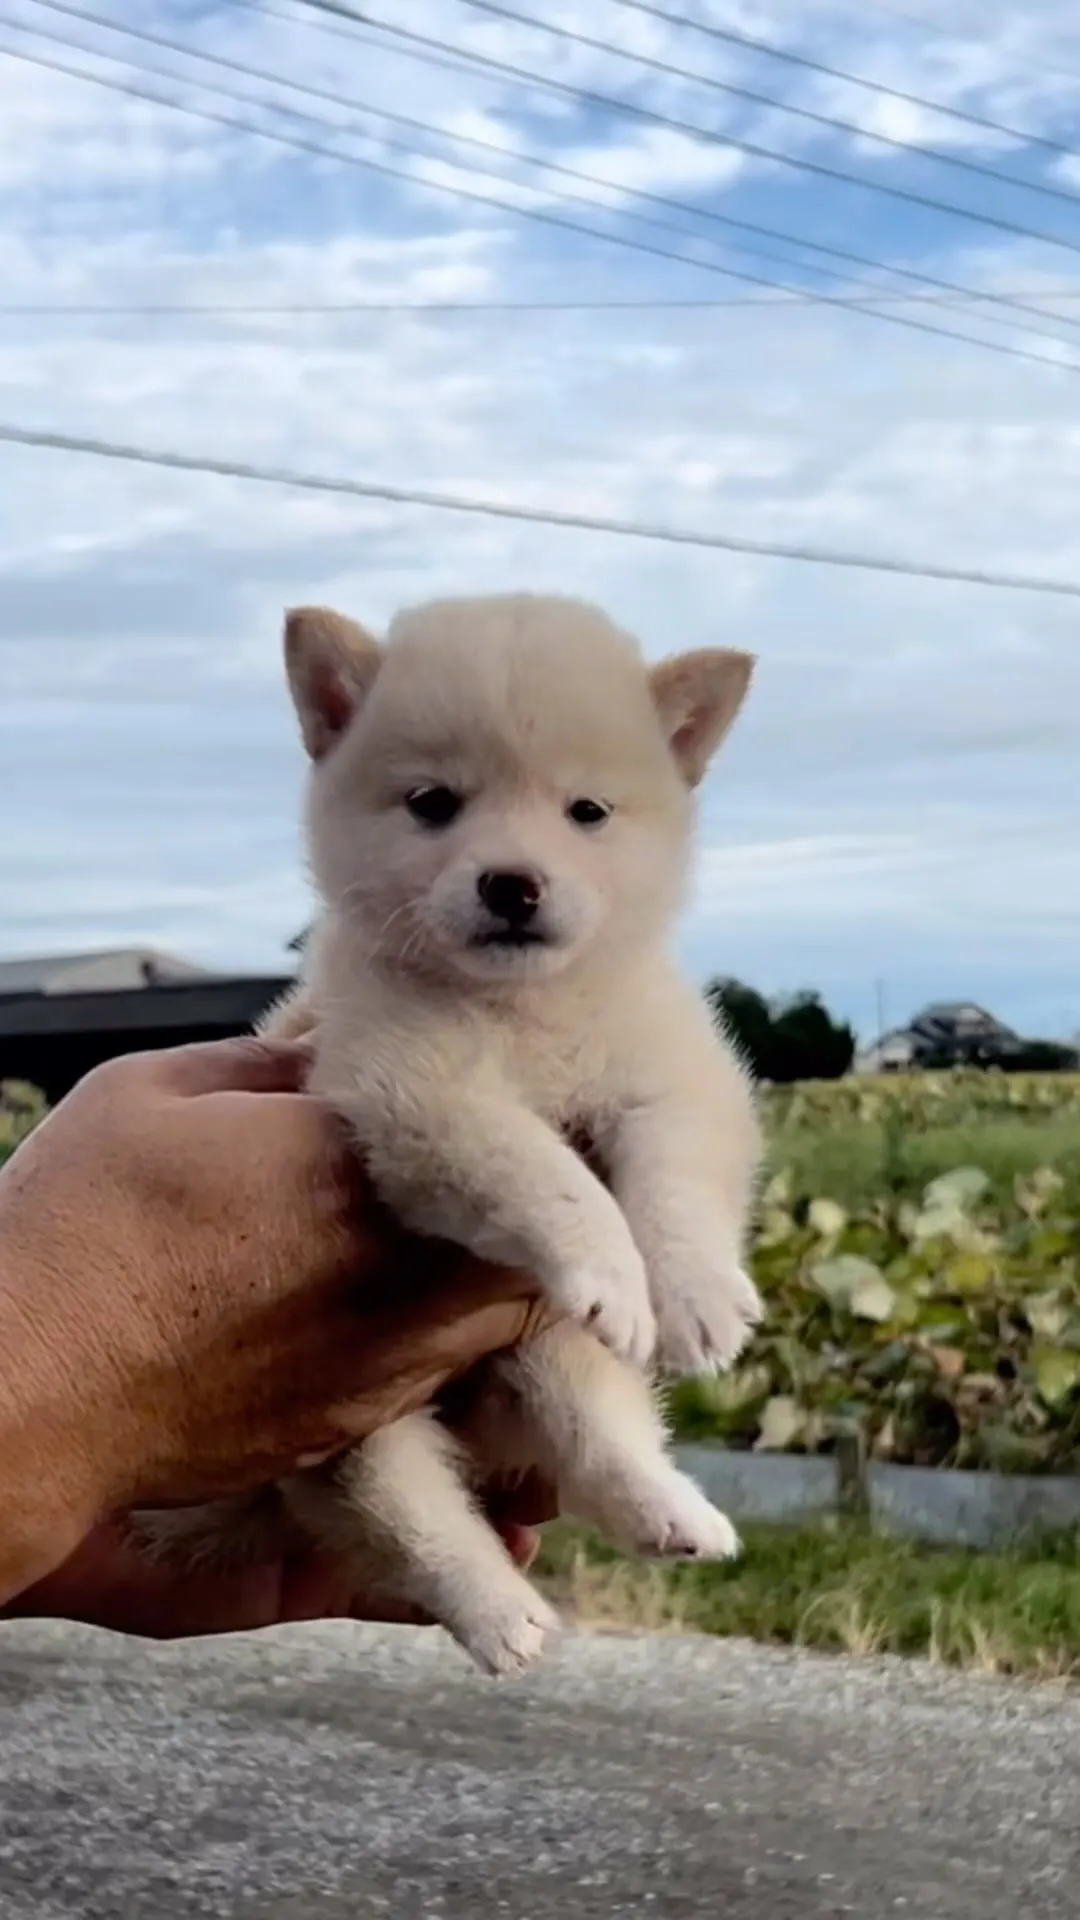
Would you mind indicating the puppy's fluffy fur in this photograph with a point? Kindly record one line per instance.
(500, 819)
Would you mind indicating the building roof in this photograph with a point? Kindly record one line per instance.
(102, 969)
(963, 1011)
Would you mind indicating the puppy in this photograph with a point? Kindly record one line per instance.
(500, 820)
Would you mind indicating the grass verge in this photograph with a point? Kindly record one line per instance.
(840, 1588)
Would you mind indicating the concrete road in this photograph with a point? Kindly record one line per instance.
(326, 1773)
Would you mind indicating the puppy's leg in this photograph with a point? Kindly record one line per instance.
(686, 1187)
(592, 1424)
(485, 1172)
(398, 1512)
(682, 1146)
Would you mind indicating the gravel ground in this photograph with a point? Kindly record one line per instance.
(332, 1772)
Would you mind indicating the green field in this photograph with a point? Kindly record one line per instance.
(918, 1248)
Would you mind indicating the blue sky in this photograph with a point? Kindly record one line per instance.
(900, 802)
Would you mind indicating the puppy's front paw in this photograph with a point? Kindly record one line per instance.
(705, 1316)
(609, 1295)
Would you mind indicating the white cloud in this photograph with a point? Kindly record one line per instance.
(900, 798)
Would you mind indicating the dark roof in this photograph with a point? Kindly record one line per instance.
(102, 968)
(957, 1016)
(209, 1000)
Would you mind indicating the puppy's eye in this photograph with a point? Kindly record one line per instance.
(588, 813)
(434, 806)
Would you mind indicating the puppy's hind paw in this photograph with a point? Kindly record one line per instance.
(674, 1521)
(506, 1637)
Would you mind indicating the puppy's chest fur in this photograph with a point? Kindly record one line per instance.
(566, 1050)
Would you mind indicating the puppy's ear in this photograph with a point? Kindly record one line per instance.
(331, 663)
(697, 696)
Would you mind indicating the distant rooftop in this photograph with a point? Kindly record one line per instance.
(103, 970)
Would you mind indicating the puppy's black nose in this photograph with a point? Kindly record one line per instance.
(513, 897)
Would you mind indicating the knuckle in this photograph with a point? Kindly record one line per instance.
(115, 1075)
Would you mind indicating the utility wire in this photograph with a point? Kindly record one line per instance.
(612, 103)
(539, 516)
(548, 218)
(963, 37)
(728, 36)
(492, 147)
(463, 62)
(832, 122)
(68, 309)
(305, 145)
(352, 105)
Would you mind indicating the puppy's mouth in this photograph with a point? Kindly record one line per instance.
(512, 937)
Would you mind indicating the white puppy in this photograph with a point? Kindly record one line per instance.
(500, 817)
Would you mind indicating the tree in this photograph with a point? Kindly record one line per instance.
(791, 1039)
(747, 1018)
(813, 1046)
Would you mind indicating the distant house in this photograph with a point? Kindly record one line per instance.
(946, 1033)
(63, 1013)
(892, 1052)
(105, 970)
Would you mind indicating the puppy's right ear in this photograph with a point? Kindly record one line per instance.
(331, 663)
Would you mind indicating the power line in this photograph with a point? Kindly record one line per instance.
(539, 516)
(962, 38)
(786, 302)
(733, 91)
(351, 105)
(304, 145)
(755, 150)
(449, 61)
(427, 51)
(365, 163)
(465, 62)
(729, 37)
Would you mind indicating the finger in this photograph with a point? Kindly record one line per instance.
(246, 1064)
(521, 1543)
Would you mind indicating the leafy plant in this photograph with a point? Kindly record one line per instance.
(937, 1306)
(21, 1107)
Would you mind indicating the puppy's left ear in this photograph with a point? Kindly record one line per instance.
(697, 696)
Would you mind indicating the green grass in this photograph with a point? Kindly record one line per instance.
(839, 1588)
(855, 1162)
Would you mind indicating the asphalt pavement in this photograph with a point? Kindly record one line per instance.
(331, 1772)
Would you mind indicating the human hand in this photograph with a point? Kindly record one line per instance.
(198, 1294)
